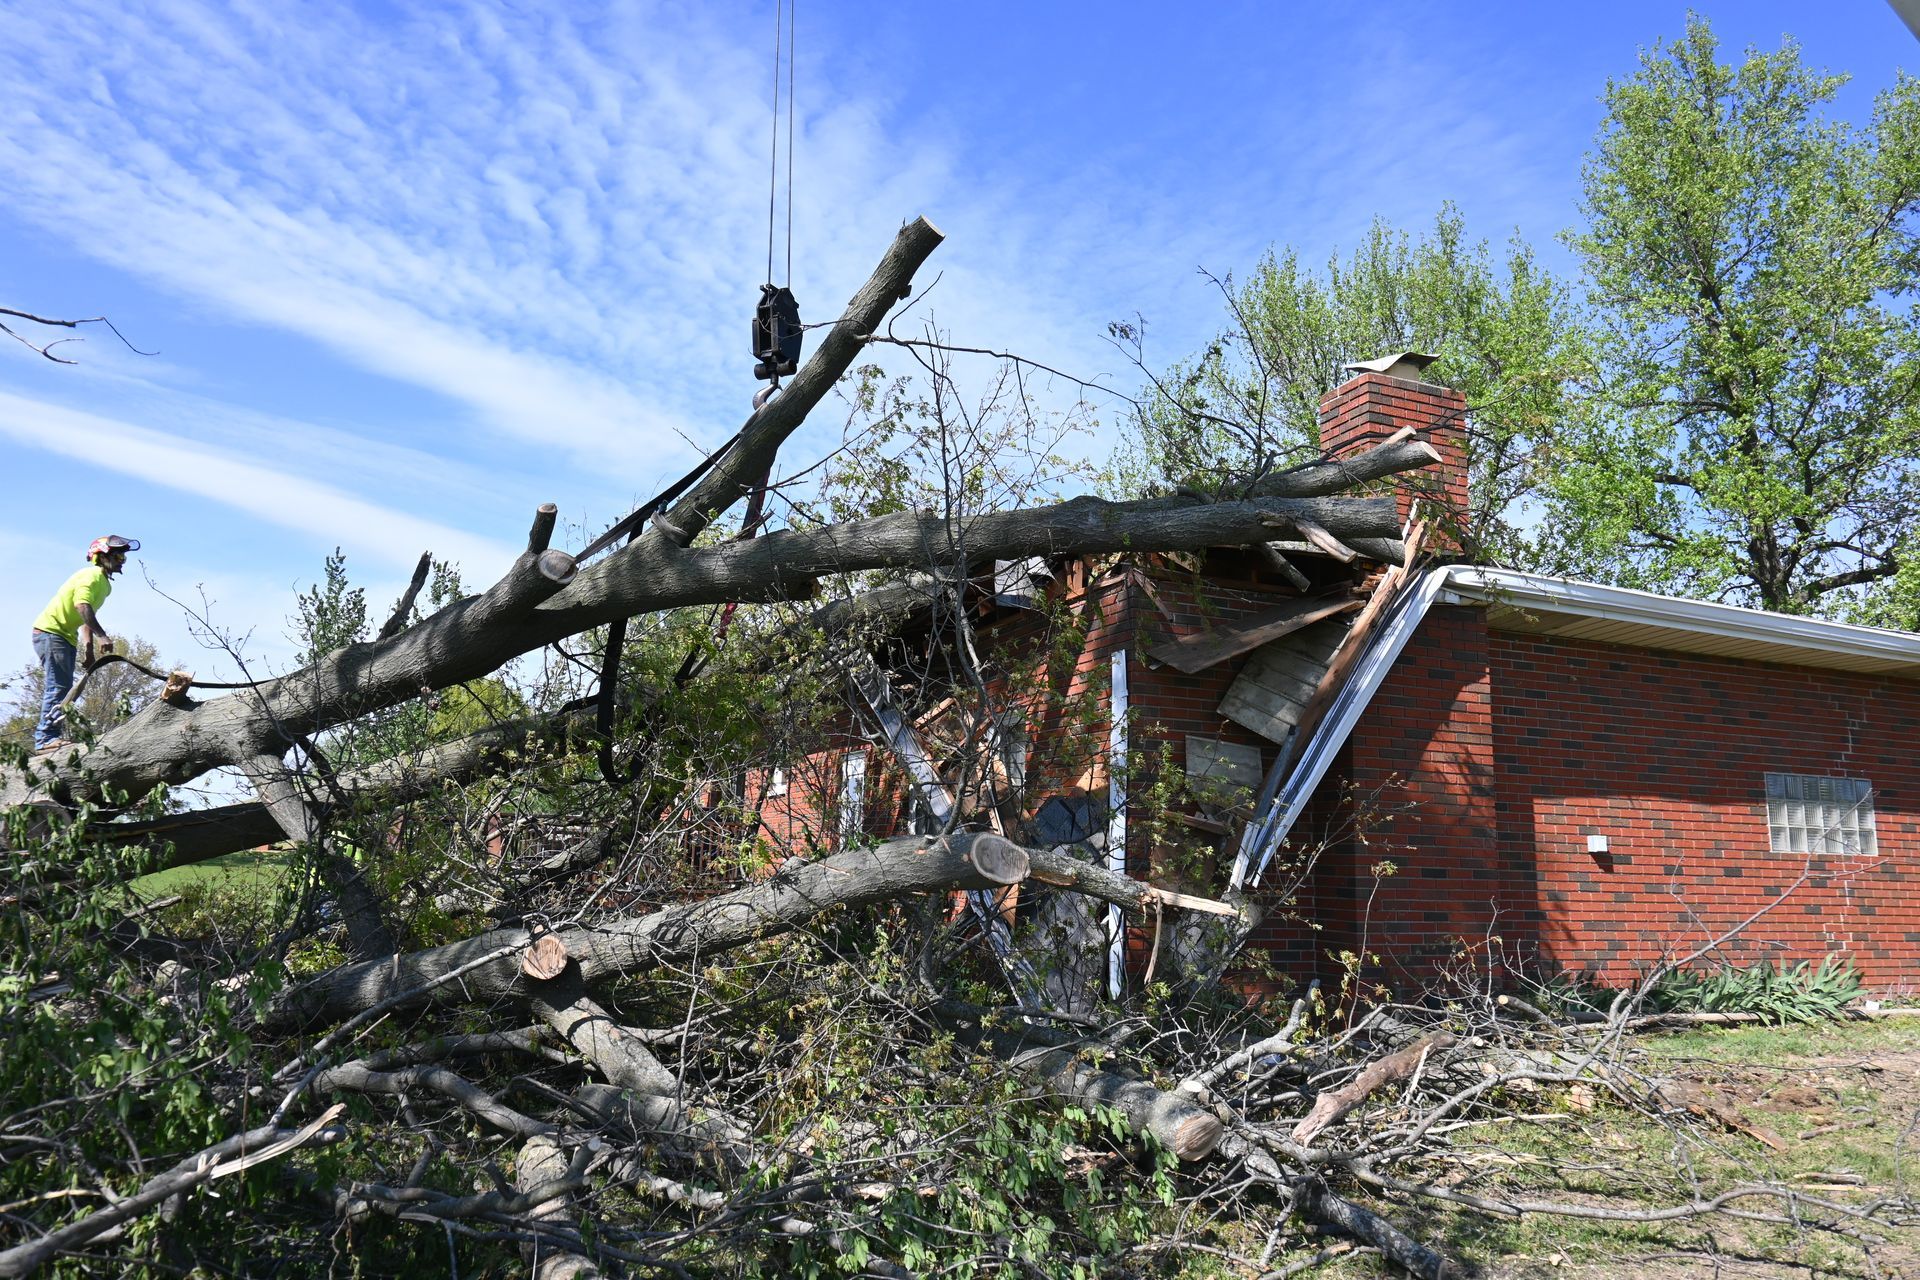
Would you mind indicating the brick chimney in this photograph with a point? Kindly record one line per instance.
(1387, 394)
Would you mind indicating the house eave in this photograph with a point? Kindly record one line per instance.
(1568, 608)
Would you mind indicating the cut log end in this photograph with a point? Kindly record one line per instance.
(1195, 1137)
(999, 860)
(557, 566)
(546, 959)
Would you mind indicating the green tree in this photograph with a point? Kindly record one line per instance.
(112, 693)
(1753, 263)
(331, 614)
(1506, 331)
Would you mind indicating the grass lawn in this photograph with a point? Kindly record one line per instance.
(1828, 1108)
(252, 873)
(1832, 1110)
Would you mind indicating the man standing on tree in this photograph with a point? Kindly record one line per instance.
(70, 626)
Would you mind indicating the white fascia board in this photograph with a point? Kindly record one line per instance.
(1402, 619)
(1701, 617)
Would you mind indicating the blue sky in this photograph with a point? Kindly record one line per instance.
(412, 270)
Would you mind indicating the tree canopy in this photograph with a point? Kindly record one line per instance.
(1751, 267)
(1724, 407)
(1506, 332)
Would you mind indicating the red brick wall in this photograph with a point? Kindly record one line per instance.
(1422, 873)
(806, 817)
(1664, 754)
(1512, 749)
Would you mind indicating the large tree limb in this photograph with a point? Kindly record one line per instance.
(795, 893)
(156, 747)
(735, 475)
(473, 637)
(614, 1050)
(358, 1077)
(201, 834)
(1175, 1120)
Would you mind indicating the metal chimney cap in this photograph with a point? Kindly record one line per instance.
(1402, 364)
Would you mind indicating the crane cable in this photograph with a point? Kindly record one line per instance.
(778, 335)
(781, 8)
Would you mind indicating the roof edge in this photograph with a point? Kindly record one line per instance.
(1673, 613)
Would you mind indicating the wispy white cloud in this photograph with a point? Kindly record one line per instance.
(552, 218)
(272, 496)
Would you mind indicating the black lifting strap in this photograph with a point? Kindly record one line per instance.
(777, 334)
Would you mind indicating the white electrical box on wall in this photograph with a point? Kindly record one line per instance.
(1596, 844)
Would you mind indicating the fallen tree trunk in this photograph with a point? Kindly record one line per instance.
(795, 893)
(166, 743)
(1175, 1120)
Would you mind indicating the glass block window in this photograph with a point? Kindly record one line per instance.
(1811, 814)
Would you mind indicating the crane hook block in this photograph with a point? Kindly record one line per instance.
(776, 333)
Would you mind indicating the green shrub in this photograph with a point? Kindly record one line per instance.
(1799, 993)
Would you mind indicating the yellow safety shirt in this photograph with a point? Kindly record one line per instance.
(62, 617)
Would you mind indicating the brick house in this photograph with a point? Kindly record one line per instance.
(1563, 775)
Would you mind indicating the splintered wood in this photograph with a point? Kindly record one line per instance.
(1192, 654)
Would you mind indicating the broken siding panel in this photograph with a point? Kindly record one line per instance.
(1274, 689)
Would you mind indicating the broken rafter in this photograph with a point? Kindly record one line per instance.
(871, 684)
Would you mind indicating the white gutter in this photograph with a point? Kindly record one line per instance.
(1670, 613)
(1457, 584)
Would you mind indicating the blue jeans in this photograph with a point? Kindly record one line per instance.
(56, 661)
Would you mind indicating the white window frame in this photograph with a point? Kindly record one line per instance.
(853, 794)
(1817, 813)
(776, 782)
